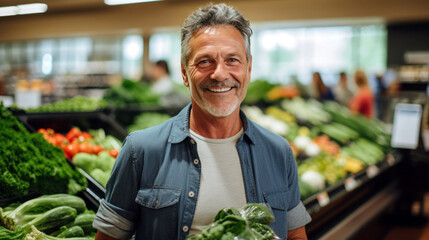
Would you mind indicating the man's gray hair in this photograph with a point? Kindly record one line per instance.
(211, 16)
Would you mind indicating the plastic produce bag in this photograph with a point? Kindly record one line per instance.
(248, 223)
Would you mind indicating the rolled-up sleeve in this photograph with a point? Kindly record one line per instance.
(118, 212)
(111, 223)
(297, 217)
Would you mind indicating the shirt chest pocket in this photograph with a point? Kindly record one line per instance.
(159, 211)
(158, 198)
(279, 203)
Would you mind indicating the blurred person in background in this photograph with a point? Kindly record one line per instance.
(172, 95)
(341, 91)
(171, 180)
(160, 75)
(321, 91)
(363, 100)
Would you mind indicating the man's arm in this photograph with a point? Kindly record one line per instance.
(297, 234)
(102, 236)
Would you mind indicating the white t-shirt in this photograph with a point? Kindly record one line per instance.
(221, 183)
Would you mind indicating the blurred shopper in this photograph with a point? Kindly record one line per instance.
(363, 100)
(321, 91)
(160, 74)
(341, 91)
(380, 92)
(171, 94)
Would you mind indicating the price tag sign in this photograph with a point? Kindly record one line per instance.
(390, 159)
(350, 184)
(323, 199)
(372, 171)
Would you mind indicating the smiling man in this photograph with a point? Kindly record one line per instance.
(170, 180)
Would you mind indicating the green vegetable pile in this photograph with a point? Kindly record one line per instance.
(28, 163)
(98, 166)
(105, 141)
(47, 217)
(75, 104)
(250, 223)
(130, 94)
(147, 119)
(257, 91)
(371, 129)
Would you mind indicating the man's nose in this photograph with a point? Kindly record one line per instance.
(220, 73)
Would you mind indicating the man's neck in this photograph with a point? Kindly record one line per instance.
(213, 127)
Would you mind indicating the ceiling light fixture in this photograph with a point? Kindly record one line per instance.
(23, 9)
(32, 8)
(119, 2)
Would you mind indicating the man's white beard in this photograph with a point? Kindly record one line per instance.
(222, 111)
(215, 111)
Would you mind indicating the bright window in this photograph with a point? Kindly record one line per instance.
(279, 54)
(166, 46)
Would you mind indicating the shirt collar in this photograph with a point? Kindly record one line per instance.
(180, 130)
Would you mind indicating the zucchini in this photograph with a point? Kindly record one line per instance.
(52, 219)
(84, 221)
(74, 231)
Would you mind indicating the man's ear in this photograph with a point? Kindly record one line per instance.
(184, 75)
(249, 69)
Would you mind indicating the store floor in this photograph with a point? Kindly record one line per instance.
(409, 233)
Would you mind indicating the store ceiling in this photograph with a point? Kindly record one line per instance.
(78, 5)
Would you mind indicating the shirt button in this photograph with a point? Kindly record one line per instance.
(156, 203)
(185, 229)
(196, 161)
(191, 194)
(192, 141)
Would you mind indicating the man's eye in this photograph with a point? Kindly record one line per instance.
(233, 60)
(204, 63)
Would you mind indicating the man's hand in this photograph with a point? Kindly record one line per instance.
(297, 234)
(102, 236)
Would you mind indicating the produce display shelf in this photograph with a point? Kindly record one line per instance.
(62, 122)
(330, 206)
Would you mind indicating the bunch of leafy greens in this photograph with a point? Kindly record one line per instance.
(146, 120)
(250, 223)
(28, 163)
(130, 93)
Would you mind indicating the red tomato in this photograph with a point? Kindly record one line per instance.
(85, 147)
(59, 138)
(113, 152)
(73, 133)
(71, 150)
(96, 149)
(86, 135)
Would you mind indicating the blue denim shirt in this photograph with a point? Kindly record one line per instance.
(147, 192)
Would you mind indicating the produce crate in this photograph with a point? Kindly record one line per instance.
(62, 122)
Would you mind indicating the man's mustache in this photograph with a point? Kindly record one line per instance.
(211, 83)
